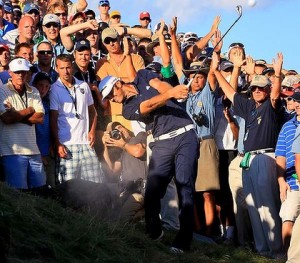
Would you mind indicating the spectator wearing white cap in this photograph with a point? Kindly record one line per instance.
(51, 28)
(20, 109)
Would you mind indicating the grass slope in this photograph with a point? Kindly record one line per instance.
(34, 229)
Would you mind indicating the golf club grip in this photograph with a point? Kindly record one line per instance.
(188, 86)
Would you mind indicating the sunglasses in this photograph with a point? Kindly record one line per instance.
(61, 14)
(55, 25)
(253, 88)
(145, 18)
(45, 52)
(289, 99)
(116, 17)
(33, 12)
(287, 88)
(105, 5)
(108, 40)
(236, 45)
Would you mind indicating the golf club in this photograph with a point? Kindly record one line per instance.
(240, 12)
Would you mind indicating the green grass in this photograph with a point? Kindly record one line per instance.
(35, 230)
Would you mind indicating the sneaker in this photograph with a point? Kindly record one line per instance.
(176, 251)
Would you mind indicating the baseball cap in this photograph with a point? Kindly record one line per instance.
(196, 67)
(109, 32)
(5, 47)
(29, 7)
(8, 7)
(51, 18)
(296, 96)
(82, 44)
(154, 66)
(90, 12)
(19, 64)
(155, 42)
(226, 64)
(268, 70)
(290, 80)
(114, 13)
(190, 36)
(157, 27)
(106, 85)
(103, 2)
(72, 17)
(145, 15)
(260, 81)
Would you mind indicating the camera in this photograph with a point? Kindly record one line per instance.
(115, 134)
(199, 119)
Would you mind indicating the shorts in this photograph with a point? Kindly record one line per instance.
(290, 208)
(208, 167)
(82, 164)
(24, 171)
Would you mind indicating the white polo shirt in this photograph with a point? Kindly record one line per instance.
(18, 138)
(71, 130)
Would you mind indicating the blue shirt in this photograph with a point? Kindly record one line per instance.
(284, 148)
(7, 26)
(162, 120)
(43, 130)
(204, 102)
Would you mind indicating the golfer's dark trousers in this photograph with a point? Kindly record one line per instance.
(176, 156)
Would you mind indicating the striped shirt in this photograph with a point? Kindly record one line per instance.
(284, 148)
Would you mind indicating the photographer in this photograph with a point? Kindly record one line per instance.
(201, 108)
(125, 157)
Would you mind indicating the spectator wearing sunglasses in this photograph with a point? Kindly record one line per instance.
(145, 20)
(119, 63)
(61, 10)
(262, 114)
(44, 55)
(73, 8)
(51, 28)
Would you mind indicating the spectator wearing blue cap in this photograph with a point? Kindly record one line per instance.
(5, 26)
(104, 8)
(8, 14)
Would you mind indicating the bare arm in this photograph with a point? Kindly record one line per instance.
(36, 118)
(67, 32)
(93, 123)
(81, 5)
(276, 88)
(283, 186)
(237, 64)
(160, 86)
(227, 89)
(138, 32)
(176, 55)
(131, 72)
(165, 54)
(194, 50)
(13, 116)
(61, 150)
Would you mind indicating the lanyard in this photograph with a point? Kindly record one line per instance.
(74, 99)
(88, 76)
(21, 97)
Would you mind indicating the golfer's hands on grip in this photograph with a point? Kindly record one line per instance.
(179, 92)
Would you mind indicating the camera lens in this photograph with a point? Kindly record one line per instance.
(115, 134)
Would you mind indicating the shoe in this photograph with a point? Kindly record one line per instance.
(176, 251)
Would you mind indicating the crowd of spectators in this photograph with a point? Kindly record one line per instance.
(198, 137)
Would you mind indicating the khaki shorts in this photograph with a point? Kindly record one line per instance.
(290, 208)
(208, 167)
